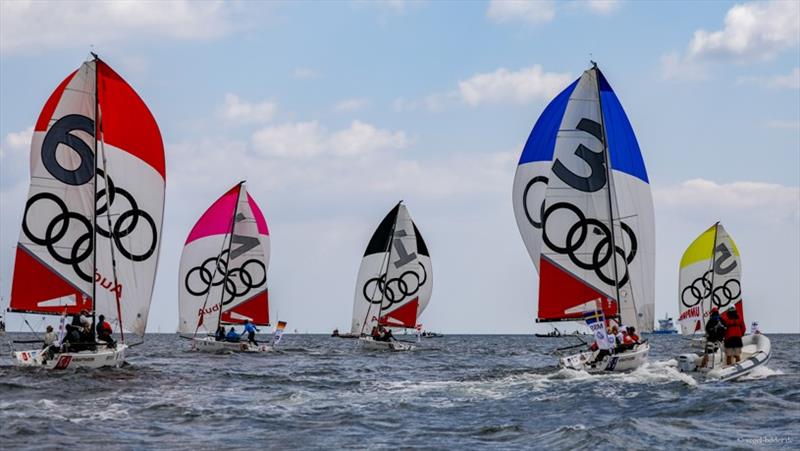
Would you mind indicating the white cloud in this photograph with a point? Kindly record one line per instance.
(762, 201)
(41, 25)
(304, 140)
(235, 110)
(350, 105)
(504, 86)
(363, 139)
(754, 31)
(16, 142)
(784, 81)
(675, 67)
(604, 6)
(532, 12)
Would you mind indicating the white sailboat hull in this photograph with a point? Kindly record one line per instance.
(756, 352)
(209, 344)
(374, 345)
(624, 361)
(102, 357)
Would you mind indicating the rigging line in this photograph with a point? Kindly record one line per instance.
(213, 274)
(611, 200)
(230, 244)
(385, 273)
(111, 234)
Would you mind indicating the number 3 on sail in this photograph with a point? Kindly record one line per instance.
(91, 229)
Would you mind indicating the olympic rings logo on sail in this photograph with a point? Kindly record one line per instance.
(577, 235)
(394, 290)
(79, 250)
(211, 276)
(721, 296)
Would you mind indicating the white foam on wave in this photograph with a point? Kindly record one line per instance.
(760, 372)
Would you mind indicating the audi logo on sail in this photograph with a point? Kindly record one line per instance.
(214, 272)
(55, 235)
(700, 289)
(394, 290)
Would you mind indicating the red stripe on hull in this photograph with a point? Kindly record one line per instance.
(34, 282)
(560, 291)
(255, 308)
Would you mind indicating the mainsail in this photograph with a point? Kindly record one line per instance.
(710, 276)
(395, 280)
(91, 230)
(223, 269)
(584, 209)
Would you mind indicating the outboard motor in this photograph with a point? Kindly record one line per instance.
(687, 363)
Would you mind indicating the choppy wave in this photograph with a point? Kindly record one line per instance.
(480, 392)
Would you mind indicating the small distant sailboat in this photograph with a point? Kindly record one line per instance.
(91, 230)
(583, 205)
(710, 277)
(395, 280)
(223, 273)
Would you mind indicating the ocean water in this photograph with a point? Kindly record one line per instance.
(456, 392)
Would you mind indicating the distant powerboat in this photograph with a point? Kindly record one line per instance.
(552, 334)
(665, 326)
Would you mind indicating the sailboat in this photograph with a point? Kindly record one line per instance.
(395, 280)
(710, 277)
(91, 230)
(584, 209)
(223, 273)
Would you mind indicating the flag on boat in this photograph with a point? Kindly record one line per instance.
(91, 229)
(223, 270)
(584, 208)
(62, 330)
(597, 323)
(710, 276)
(395, 280)
(279, 331)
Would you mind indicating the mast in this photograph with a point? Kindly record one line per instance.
(230, 243)
(386, 271)
(102, 150)
(94, 197)
(713, 270)
(613, 243)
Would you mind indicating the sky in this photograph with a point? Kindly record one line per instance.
(334, 111)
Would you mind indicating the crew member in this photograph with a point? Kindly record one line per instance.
(734, 331)
(715, 333)
(250, 330)
(104, 331)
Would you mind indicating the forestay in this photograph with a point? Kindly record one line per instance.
(395, 280)
(91, 230)
(583, 206)
(223, 269)
(702, 287)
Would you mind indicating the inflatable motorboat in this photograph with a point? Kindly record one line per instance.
(756, 351)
